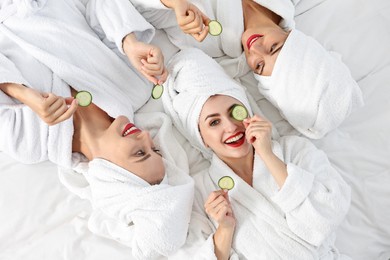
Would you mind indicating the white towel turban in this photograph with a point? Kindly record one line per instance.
(194, 77)
(312, 88)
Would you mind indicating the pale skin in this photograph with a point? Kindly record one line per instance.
(217, 128)
(258, 20)
(96, 134)
(146, 58)
(190, 19)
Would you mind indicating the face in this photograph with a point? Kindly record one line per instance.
(262, 48)
(220, 131)
(127, 146)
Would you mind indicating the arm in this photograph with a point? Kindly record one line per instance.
(190, 19)
(314, 198)
(258, 133)
(50, 108)
(218, 207)
(119, 22)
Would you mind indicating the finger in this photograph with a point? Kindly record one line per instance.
(195, 26)
(200, 37)
(152, 79)
(155, 69)
(213, 195)
(222, 205)
(68, 113)
(216, 202)
(187, 19)
(153, 73)
(205, 19)
(69, 100)
(163, 76)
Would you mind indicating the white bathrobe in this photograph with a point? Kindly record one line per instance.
(296, 222)
(325, 105)
(49, 46)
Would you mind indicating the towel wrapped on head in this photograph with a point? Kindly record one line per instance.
(194, 77)
(312, 88)
(152, 219)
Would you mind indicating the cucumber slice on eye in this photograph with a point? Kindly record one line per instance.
(239, 112)
(226, 182)
(84, 98)
(215, 28)
(157, 91)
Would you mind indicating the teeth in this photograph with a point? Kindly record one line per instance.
(234, 139)
(129, 130)
(253, 40)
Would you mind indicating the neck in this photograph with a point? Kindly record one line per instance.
(243, 167)
(90, 123)
(257, 16)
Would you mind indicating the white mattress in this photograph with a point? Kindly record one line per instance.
(40, 219)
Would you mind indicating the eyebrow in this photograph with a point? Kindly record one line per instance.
(143, 158)
(217, 114)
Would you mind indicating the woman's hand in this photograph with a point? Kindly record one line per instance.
(258, 133)
(218, 207)
(190, 19)
(146, 58)
(50, 108)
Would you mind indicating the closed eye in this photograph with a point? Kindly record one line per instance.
(157, 151)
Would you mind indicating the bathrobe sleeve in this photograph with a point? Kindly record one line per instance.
(113, 20)
(200, 238)
(314, 197)
(19, 124)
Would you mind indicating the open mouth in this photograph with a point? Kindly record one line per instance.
(235, 140)
(252, 39)
(130, 129)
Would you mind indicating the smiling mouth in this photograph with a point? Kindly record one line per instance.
(252, 39)
(236, 140)
(130, 129)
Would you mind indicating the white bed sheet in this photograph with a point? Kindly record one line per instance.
(40, 219)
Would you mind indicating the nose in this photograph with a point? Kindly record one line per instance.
(258, 48)
(230, 126)
(144, 135)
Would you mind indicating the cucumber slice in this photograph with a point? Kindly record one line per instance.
(226, 182)
(84, 98)
(157, 91)
(239, 112)
(215, 28)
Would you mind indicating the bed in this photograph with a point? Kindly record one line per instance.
(41, 219)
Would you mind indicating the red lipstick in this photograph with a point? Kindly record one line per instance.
(252, 39)
(130, 129)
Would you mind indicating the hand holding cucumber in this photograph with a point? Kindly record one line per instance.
(146, 58)
(218, 207)
(258, 133)
(52, 109)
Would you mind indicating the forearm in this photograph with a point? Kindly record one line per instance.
(13, 90)
(223, 242)
(276, 167)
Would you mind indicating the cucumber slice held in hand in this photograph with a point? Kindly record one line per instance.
(157, 91)
(84, 98)
(215, 28)
(239, 112)
(226, 183)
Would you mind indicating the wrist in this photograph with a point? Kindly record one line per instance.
(128, 42)
(13, 90)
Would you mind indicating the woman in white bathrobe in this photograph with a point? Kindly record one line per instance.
(262, 34)
(51, 49)
(287, 200)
